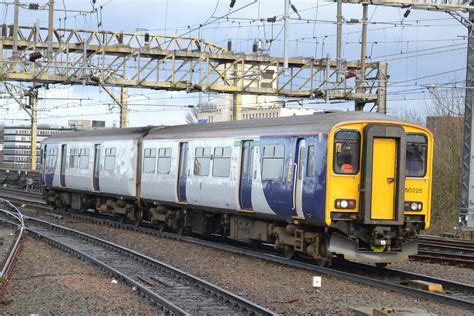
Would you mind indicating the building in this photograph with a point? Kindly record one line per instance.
(17, 145)
(214, 113)
(85, 124)
(253, 106)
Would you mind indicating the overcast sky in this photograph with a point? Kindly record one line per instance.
(427, 48)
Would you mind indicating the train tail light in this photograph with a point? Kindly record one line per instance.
(345, 204)
(413, 206)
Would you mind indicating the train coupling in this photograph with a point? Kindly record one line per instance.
(340, 244)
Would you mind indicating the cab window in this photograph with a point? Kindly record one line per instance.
(416, 155)
(346, 152)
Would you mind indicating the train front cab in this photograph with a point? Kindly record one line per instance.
(379, 190)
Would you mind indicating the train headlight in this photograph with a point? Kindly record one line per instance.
(413, 206)
(345, 204)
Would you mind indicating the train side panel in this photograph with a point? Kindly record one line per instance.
(159, 174)
(79, 168)
(118, 167)
(212, 173)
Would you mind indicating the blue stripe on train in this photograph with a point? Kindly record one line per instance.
(279, 193)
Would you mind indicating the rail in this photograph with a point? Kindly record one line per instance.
(458, 294)
(15, 218)
(176, 291)
(363, 276)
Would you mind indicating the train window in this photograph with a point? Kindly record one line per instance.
(73, 158)
(164, 160)
(221, 162)
(310, 162)
(416, 155)
(346, 152)
(149, 160)
(109, 158)
(52, 157)
(273, 162)
(84, 158)
(202, 160)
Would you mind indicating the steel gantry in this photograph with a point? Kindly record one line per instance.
(142, 60)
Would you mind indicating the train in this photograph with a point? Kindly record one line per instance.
(354, 185)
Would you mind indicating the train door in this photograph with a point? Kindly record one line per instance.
(62, 174)
(247, 175)
(299, 177)
(384, 174)
(96, 167)
(182, 172)
(44, 164)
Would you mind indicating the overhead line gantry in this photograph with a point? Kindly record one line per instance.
(45, 56)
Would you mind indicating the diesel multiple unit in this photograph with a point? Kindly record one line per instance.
(356, 185)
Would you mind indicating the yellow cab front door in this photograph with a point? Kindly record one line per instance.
(383, 178)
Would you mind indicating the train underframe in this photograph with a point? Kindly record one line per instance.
(351, 240)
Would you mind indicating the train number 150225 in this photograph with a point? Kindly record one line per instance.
(413, 190)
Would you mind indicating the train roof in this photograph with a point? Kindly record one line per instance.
(319, 122)
(99, 134)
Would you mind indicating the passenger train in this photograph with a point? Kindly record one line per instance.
(354, 185)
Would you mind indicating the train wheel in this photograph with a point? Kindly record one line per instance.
(289, 252)
(138, 217)
(161, 227)
(325, 256)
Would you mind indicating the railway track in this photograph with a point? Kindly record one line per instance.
(176, 291)
(454, 293)
(445, 251)
(11, 216)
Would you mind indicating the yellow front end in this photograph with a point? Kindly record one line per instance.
(369, 190)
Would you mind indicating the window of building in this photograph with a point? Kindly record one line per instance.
(109, 160)
(310, 161)
(416, 155)
(149, 160)
(273, 162)
(202, 160)
(221, 162)
(164, 160)
(346, 152)
(73, 158)
(84, 158)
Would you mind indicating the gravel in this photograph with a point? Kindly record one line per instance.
(283, 289)
(463, 275)
(49, 281)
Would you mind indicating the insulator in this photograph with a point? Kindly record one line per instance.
(33, 6)
(255, 47)
(95, 79)
(35, 56)
(229, 45)
(272, 19)
(147, 37)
